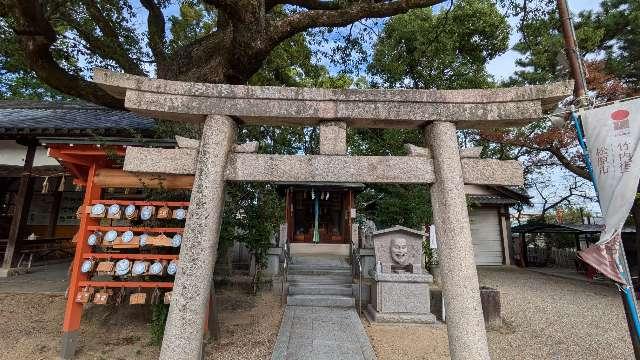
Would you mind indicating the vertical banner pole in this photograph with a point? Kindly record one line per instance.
(626, 291)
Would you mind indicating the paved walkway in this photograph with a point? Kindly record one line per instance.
(569, 274)
(319, 333)
(47, 279)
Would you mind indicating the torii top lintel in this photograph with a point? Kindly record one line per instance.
(269, 105)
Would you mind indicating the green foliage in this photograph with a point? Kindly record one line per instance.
(619, 26)
(430, 256)
(194, 21)
(422, 50)
(542, 47)
(159, 314)
(612, 33)
(389, 205)
(16, 80)
(447, 50)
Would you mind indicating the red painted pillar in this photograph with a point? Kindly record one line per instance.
(73, 310)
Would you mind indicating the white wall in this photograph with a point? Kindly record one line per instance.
(477, 190)
(11, 153)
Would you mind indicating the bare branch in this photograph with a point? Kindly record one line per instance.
(105, 49)
(113, 47)
(305, 20)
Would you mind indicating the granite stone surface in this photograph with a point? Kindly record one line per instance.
(184, 142)
(324, 168)
(412, 150)
(283, 235)
(402, 297)
(184, 330)
(368, 261)
(333, 138)
(398, 318)
(248, 147)
(315, 333)
(180, 161)
(273, 262)
(382, 245)
(473, 108)
(465, 324)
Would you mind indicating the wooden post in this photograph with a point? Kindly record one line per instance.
(21, 207)
(73, 310)
(54, 211)
(523, 250)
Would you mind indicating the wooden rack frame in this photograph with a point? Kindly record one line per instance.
(86, 162)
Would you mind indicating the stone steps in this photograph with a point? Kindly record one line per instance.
(320, 279)
(319, 271)
(321, 300)
(319, 289)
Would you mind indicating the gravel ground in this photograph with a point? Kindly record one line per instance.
(544, 318)
(31, 328)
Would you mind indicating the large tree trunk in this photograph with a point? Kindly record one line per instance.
(246, 32)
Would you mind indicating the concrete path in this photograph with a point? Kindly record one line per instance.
(322, 333)
(48, 279)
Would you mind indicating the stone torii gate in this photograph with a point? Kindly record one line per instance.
(220, 107)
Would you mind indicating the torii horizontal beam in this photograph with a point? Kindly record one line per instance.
(323, 168)
(269, 105)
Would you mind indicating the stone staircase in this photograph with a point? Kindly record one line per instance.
(320, 281)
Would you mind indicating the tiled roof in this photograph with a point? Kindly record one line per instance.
(564, 228)
(492, 200)
(26, 117)
(398, 228)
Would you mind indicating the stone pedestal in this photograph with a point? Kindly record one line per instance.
(401, 298)
(273, 262)
(368, 261)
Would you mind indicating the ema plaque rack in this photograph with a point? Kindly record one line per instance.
(127, 250)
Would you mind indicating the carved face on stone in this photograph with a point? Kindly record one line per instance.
(399, 251)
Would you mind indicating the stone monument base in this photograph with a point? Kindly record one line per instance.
(398, 318)
(401, 298)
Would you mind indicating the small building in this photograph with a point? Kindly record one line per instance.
(330, 205)
(38, 198)
(490, 222)
(582, 236)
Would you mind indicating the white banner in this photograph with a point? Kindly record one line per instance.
(613, 141)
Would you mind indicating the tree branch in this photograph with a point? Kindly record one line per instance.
(307, 4)
(156, 32)
(305, 20)
(108, 49)
(576, 169)
(36, 36)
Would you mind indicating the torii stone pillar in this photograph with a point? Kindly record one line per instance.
(185, 323)
(465, 324)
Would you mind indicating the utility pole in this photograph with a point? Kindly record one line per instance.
(571, 50)
(579, 92)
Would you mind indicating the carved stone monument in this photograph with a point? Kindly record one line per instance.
(401, 290)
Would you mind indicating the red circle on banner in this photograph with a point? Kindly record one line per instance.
(619, 115)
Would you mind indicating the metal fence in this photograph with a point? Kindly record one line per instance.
(539, 256)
